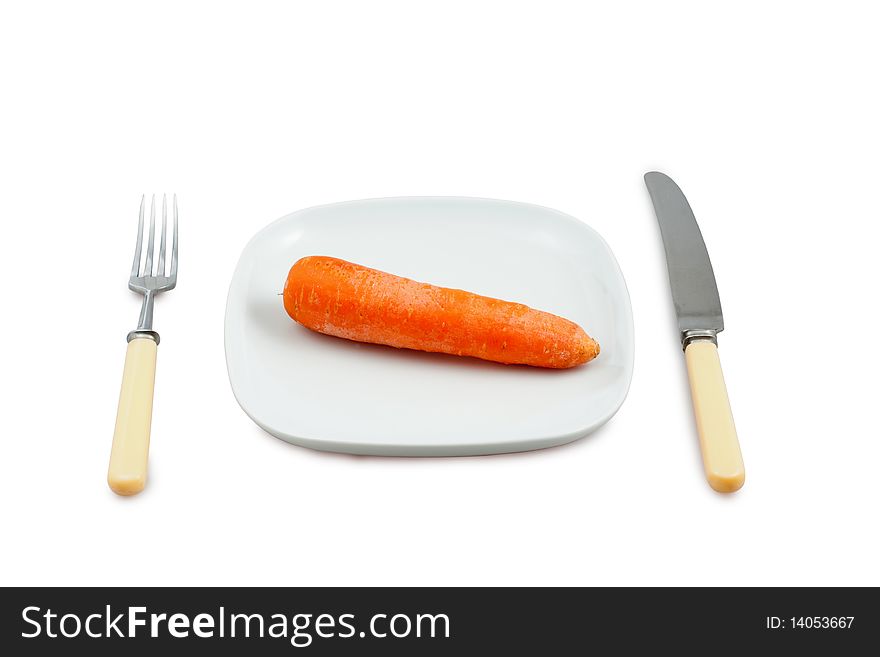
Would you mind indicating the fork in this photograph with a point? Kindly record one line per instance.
(127, 474)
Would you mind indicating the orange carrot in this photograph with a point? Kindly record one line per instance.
(350, 301)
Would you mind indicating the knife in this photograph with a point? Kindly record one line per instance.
(698, 308)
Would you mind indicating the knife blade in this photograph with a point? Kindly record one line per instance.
(691, 276)
(698, 309)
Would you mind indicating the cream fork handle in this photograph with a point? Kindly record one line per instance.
(127, 474)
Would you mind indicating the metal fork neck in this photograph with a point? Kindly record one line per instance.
(145, 323)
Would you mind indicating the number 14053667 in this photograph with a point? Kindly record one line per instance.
(810, 622)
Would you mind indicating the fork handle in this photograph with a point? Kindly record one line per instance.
(131, 439)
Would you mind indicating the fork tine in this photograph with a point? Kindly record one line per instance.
(173, 273)
(140, 241)
(160, 268)
(148, 265)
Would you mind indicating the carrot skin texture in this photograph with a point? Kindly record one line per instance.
(340, 298)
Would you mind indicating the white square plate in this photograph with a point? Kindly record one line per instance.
(332, 394)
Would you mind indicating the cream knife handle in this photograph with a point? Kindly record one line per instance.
(131, 439)
(722, 458)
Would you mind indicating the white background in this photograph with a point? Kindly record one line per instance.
(767, 114)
